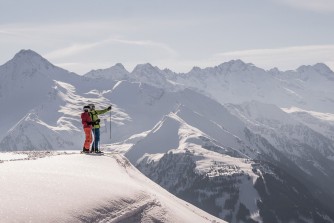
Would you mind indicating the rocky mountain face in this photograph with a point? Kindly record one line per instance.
(228, 192)
(225, 181)
(240, 142)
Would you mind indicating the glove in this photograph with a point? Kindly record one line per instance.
(97, 122)
(90, 123)
(109, 108)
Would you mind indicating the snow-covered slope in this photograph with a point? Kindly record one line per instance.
(283, 131)
(197, 168)
(319, 122)
(305, 152)
(54, 124)
(72, 187)
(174, 137)
(26, 82)
(43, 104)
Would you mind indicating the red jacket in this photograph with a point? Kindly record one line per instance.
(85, 119)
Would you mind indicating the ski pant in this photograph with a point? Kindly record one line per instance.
(88, 138)
(96, 133)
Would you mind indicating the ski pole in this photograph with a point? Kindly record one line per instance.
(110, 124)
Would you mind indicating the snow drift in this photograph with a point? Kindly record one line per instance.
(72, 187)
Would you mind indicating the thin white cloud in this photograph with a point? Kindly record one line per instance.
(79, 48)
(12, 32)
(284, 50)
(71, 50)
(283, 58)
(63, 33)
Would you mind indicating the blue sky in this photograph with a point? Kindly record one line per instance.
(81, 35)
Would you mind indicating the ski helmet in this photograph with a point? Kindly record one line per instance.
(86, 108)
(91, 106)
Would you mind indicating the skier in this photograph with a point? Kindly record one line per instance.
(87, 126)
(96, 127)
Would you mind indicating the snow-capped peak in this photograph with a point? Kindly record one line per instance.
(323, 69)
(146, 73)
(274, 71)
(195, 69)
(119, 65)
(26, 53)
(145, 68)
(116, 72)
(29, 57)
(319, 67)
(28, 64)
(235, 65)
(312, 73)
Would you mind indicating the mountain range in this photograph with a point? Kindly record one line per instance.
(240, 142)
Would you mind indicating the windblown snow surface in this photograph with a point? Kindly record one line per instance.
(73, 187)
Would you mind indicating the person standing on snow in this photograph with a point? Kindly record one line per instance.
(87, 126)
(96, 127)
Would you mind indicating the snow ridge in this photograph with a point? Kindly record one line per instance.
(121, 192)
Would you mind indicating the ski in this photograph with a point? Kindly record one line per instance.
(92, 153)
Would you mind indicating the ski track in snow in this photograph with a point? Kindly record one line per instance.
(125, 210)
